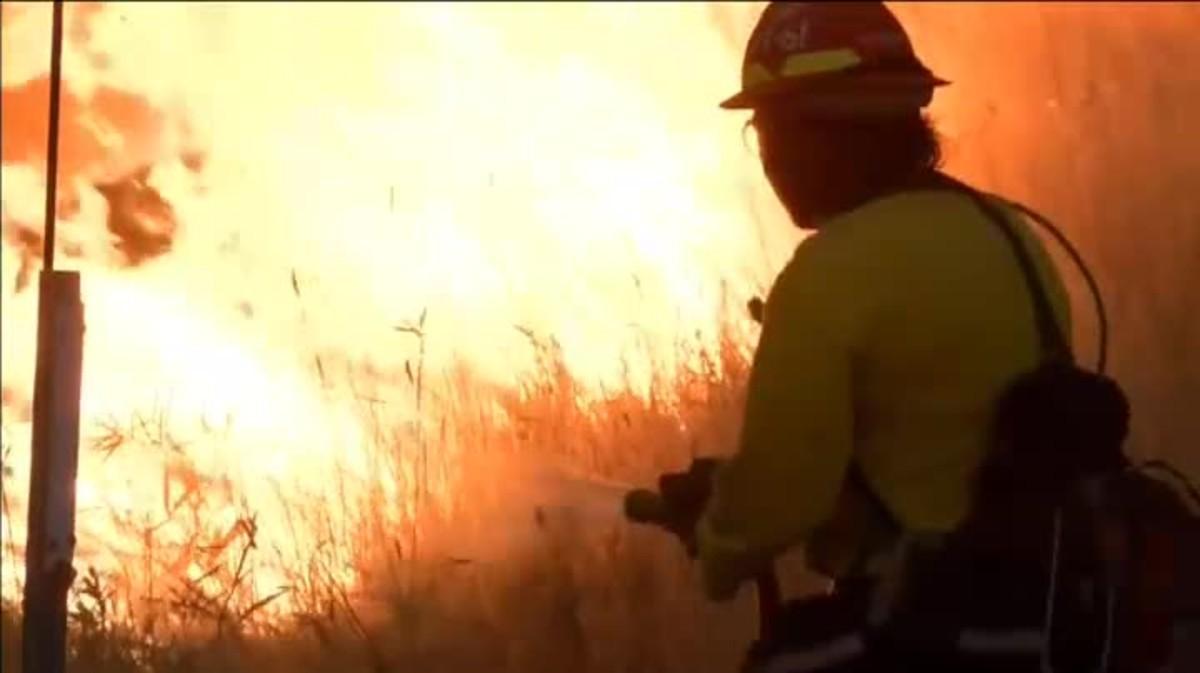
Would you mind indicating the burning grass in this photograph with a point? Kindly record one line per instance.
(467, 527)
(526, 566)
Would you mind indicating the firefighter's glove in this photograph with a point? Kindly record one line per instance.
(685, 495)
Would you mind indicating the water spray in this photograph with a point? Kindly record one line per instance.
(677, 506)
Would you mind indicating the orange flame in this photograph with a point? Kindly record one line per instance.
(286, 216)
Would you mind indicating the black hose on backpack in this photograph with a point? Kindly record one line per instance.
(1180, 478)
(1093, 287)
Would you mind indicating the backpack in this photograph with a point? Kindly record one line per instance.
(1059, 507)
(1071, 558)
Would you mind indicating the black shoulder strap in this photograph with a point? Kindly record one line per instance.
(1053, 343)
(1055, 347)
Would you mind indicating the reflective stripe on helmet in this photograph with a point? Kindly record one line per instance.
(802, 65)
(755, 75)
(816, 62)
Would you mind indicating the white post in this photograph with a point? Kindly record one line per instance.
(50, 546)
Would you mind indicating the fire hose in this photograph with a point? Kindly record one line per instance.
(677, 506)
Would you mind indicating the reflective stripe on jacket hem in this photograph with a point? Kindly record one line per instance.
(1012, 641)
(828, 654)
(845, 648)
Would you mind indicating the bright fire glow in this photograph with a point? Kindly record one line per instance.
(333, 173)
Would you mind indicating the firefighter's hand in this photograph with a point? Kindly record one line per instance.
(686, 495)
(680, 501)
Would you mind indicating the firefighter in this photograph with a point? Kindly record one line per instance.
(892, 329)
(915, 418)
(890, 333)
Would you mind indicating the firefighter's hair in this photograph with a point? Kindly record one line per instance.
(834, 164)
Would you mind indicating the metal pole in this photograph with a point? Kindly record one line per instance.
(50, 537)
(56, 33)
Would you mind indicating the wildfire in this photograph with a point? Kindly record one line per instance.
(289, 217)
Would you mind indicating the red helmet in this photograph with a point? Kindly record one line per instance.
(836, 58)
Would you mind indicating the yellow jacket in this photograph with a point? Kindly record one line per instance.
(885, 340)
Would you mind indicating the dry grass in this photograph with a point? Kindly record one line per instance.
(1080, 123)
(527, 568)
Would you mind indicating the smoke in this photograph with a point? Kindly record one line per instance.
(516, 502)
(16, 403)
(257, 198)
(734, 20)
(562, 167)
(142, 223)
(110, 137)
